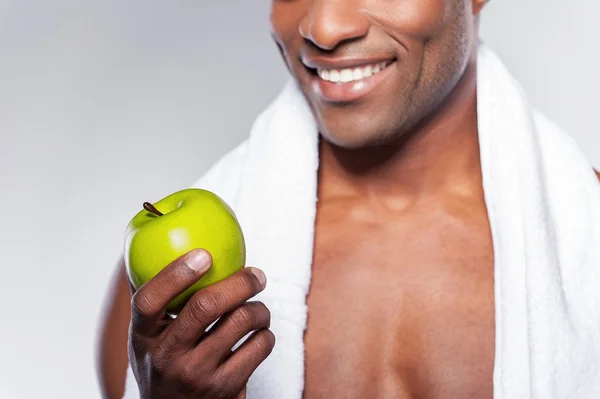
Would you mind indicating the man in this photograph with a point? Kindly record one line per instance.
(401, 223)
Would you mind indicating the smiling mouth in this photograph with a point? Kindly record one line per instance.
(344, 81)
(348, 75)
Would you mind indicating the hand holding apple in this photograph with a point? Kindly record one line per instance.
(178, 358)
(168, 252)
(177, 224)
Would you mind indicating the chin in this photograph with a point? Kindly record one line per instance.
(355, 139)
(376, 120)
(365, 132)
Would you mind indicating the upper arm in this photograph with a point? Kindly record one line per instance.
(597, 174)
(111, 354)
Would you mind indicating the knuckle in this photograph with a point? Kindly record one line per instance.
(188, 374)
(264, 342)
(205, 306)
(160, 358)
(248, 282)
(213, 385)
(141, 303)
(175, 338)
(242, 319)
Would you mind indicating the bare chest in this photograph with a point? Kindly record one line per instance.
(401, 307)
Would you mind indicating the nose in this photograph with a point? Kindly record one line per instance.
(329, 23)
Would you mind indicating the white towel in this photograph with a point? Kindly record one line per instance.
(543, 203)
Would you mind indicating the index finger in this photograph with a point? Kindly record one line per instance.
(149, 303)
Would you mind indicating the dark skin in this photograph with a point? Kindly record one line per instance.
(422, 263)
(401, 303)
(409, 180)
(111, 359)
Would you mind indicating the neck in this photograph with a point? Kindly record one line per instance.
(440, 154)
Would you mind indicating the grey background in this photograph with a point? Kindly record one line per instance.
(106, 104)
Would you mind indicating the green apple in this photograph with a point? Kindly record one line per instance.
(177, 224)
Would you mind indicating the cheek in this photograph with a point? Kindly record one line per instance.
(419, 20)
(286, 16)
(435, 34)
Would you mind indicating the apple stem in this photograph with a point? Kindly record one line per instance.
(150, 208)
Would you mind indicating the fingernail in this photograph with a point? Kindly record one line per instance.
(262, 279)
(198, 260)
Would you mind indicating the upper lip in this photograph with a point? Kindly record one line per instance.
(342, 63)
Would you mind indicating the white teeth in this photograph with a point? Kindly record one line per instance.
(334, 76)
(350, 75)
(346, 75)
(368, 71)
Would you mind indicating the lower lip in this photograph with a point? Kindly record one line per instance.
(350, 91)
